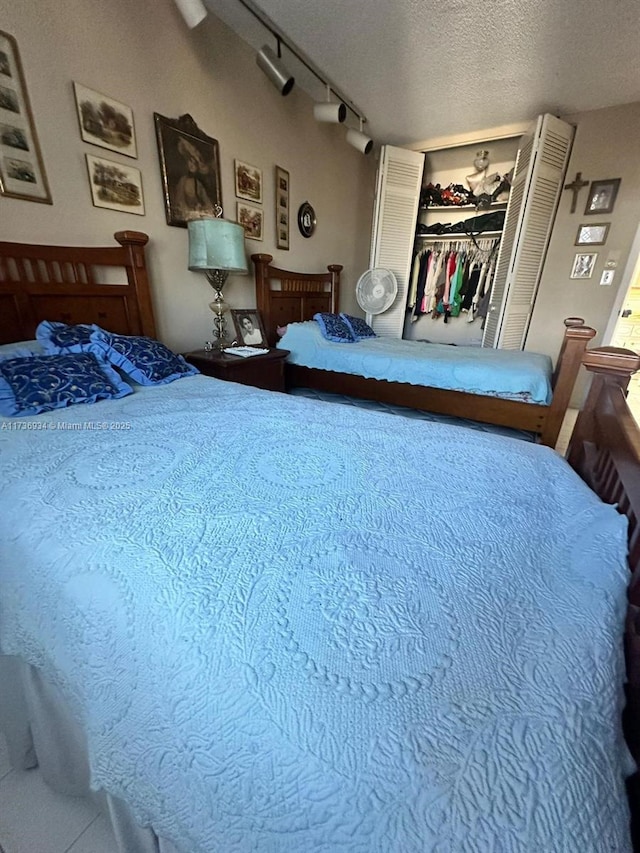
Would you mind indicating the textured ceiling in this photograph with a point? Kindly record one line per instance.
(419, 69)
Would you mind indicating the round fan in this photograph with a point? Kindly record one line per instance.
(375, 291)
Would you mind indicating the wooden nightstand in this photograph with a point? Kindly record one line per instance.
(263, 371)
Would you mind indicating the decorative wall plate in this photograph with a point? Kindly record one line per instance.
(306, 219)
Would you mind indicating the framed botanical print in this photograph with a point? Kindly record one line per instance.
(104, 121)
(190, 170)
(22, 173)
(583, 265)
(282, 208)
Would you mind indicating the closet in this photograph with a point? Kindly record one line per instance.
(541, 156)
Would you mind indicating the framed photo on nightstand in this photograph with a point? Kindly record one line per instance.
(249, 329)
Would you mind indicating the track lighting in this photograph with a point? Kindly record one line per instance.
(359, 140)
(274, 69)
(193, 11)
(331, 112)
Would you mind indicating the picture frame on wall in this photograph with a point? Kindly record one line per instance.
(104, 121)
(190, 170)
(602, 196)
(248, 327)
(583, 265)
(282, 208)
(592, 235)
(22, 172)
(115, 186)
(248, 182)
(252, 220)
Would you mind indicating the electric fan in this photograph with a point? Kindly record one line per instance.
(375, 291)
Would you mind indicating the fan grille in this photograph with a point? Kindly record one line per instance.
(376, 290)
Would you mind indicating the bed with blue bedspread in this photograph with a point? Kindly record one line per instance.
(507, 388)
(285, 625)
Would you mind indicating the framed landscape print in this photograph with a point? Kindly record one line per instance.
(190, 170)
(115, 186)
(248, 182)
(251, 219)
(22, 172)
(105, 122)
(282, 208)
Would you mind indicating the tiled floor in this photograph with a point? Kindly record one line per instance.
(35, 819)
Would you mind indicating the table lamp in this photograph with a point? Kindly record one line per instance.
(216, 247)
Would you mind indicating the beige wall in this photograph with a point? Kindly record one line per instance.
(605, 146)
(142, 54)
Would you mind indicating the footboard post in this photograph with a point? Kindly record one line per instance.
(576, 337)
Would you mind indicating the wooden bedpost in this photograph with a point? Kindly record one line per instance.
(335, 270)
(576, 337)
(263, 303)
(134, 242)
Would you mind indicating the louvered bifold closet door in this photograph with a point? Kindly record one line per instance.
(394, 227)
(537, 183)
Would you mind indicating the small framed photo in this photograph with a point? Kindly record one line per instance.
(583, 265)
(592, 235)
(248, 182)
(115, 186)
(251, 219)
(602, 196)
(105, 122)
(282, 208)
(249, 328)
(22, 172)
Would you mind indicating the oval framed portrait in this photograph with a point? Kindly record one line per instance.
(306, 219)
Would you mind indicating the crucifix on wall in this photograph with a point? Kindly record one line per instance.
(575, 186)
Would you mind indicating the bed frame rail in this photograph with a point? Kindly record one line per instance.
(605, 450)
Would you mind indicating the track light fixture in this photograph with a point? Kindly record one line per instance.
(331, 112)
(274, 69)
(193, 11)
(359, 140)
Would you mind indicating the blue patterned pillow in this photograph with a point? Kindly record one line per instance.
(359, 329)
(334, 328)
(60, 339)
(145, 360)
(41, 383)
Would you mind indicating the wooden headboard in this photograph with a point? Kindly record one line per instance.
(62, 283)
(289, 297)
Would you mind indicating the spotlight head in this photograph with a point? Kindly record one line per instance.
(335, 113)
(193, 11)
(359, 140)
(275, 70)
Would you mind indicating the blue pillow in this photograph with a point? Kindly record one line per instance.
(41, 383)
(359, 329)
(334, 328)
(145, 360)
(61, 339)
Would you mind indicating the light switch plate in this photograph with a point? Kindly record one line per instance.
(607, 277)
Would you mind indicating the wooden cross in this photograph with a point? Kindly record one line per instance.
(575, 188)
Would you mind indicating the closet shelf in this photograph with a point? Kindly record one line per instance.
(497, 205)
(450, 238)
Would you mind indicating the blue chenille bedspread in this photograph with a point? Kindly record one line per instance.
(293, 626)
(510, 374)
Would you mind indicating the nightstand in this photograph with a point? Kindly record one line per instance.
(263, 371)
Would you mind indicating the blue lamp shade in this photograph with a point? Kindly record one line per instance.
(216, 244)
